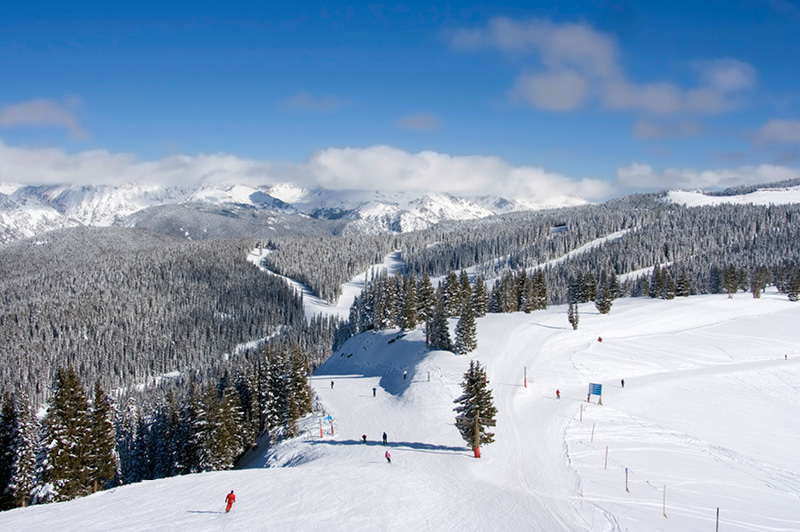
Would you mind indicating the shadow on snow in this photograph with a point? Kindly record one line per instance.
(413, 446)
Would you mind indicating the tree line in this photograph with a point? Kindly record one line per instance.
(83, 445)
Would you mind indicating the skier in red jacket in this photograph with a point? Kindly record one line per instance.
(230, 499)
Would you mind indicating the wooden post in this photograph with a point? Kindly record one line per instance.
(606, 466)
(581, 418)
(717, 529)
(320, 428)
(331, 426)
(592, 433)
(525, 378)
(626, 480)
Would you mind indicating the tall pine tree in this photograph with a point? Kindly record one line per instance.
(475, 407)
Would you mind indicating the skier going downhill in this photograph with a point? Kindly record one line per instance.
(388, 457)
(230, 499)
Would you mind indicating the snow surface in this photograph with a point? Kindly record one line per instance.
(764, 196)
(710, 410)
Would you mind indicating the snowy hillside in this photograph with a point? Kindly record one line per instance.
(762, 196)
(710, 410)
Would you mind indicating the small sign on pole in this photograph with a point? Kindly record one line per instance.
(596, 389)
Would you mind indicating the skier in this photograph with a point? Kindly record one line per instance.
(364, 437)
(230, 499)
(384, 438)
(622, 382)
(558, 394)
(404, 374)
(373, 392)
(388, 457)
(331, 385)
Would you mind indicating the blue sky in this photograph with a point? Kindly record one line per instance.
(589, 98)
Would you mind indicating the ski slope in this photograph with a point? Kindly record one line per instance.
(710, 410)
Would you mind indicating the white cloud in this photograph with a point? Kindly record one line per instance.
(44, 113)
(390, 168)
(572, 57)
(552, 90)
(420, 122)
(305, 101)
(644, 177)
(728, 74)
(780, 131)
(376, 167)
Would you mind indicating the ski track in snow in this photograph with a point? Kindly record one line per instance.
(314, 305)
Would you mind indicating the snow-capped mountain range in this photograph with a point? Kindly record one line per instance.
(29, 210)
(194, 211)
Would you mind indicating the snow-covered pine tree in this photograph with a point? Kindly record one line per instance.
(67, 438)
(426, 300)
(205, 430)
(479, 298)
(670, 286)
(264, 391)
(466, 332)
(793, 284)
(437, 332)
(103, 456)
(474, 402)
(684, 285)
(589, 288)
(539, 291)
(188, 453)
(280, 389)
(408, 318)
(23, 443)
(8, 420)
(759, 278)
(527, 300)
(466, 287)
(603, 300)
(572, 315)
(657, 282)
(300, 394)
(141, 467)
(613, 285)
(730, 280)
(451, 295)
(230, 422)
(246, 386)
(126, 438)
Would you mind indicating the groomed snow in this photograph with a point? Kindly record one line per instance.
(765, 196)
(710, 409)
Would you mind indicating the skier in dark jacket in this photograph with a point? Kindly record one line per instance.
(230, 499)
(384, 438)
